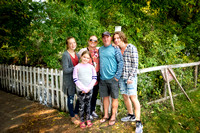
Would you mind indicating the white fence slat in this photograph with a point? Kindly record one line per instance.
(61, 92)
(31, 81)
(23, 81)
(27, 82)
(57, 89)
(52, 88)
(8, 78)
(38, 84)
(47, 85)
(34, 83)
(43, 88)
(17, 79)
(20, 74)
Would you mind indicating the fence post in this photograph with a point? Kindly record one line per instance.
(169, 89)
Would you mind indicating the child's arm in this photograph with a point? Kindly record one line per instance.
(76, 81)
(94, 78)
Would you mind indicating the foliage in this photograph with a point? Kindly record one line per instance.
(164, 32)
(185, 118)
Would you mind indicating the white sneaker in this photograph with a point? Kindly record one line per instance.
(91, 118)
(139, 127)
(128, 118)
(94, 115)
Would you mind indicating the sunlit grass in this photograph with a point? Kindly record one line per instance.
(185, 119)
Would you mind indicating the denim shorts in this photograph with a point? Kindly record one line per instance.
(109, 88)
(128, 89)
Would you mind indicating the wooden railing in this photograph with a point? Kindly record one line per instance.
(45, 85)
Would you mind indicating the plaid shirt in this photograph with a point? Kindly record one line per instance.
(130, 67)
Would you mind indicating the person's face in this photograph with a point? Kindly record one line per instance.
(85, 59)
(93, 42)
(72, 44)
(106, 40)
(117, 40)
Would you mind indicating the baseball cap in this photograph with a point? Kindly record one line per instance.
(106, 33)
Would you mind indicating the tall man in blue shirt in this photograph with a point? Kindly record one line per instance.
(111, 65)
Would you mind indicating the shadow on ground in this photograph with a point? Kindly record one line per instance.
(20, 115)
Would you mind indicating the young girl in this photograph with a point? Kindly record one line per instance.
(84, 76)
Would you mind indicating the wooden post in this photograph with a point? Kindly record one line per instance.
(169, 89)
(195, 76)
(179, 84)
(165, 89)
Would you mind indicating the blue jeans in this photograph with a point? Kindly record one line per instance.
(70, 105)
(128, 89)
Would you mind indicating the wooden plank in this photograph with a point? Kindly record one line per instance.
(169, 90)
(27, 83)
(38, 84)
(179, 84)
(43, 83)
(31, 81)
(11, 79)
(47, 85)
(52, 88)
(57, 89)
(34, 83)
(61, 92)
(168, 97)
(24, 88)
(195, 76)
(150, 69)
(14, 79)
(20, 74)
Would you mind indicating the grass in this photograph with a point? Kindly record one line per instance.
(159, 118)
(156, 118)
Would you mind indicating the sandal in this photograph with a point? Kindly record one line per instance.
(77, 117)
(75, 121)
(89, 123)
(82, 125)
(104, 120)
(112, 121)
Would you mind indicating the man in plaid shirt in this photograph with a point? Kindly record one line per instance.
(128, 80)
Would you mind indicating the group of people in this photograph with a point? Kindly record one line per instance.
(101, 70)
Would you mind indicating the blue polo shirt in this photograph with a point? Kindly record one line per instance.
(111, 62)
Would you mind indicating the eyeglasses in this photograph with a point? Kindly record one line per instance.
(93, 40)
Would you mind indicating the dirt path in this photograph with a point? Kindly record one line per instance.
(19, 115)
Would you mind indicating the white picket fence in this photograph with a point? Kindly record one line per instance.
(39, 84)
(45, 85)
